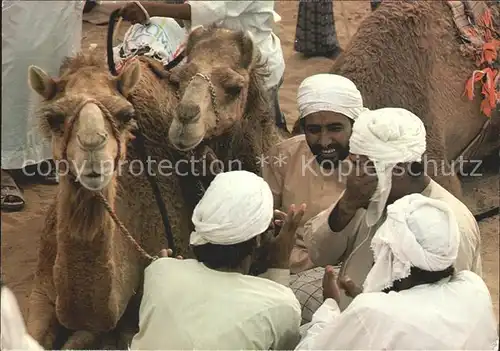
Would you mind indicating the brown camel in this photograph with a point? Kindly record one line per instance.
(408, 54)
(88, 280)
(222, 103)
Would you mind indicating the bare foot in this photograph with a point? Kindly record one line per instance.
(330, 287)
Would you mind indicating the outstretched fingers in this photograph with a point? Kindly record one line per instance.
(293, 218)
(169, 253)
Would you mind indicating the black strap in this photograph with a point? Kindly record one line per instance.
(487, 214)
(175, 61)
(113, 17)
(139, 143)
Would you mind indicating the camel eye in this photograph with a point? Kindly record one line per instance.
(233, 89)
(125, 115)
(56, 120)
(231, 81)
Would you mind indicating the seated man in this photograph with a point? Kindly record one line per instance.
(257, 17)
(211, 303)
(413, 299)
(305, 168)
(386, 148)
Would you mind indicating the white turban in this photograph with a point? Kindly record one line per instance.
(329, 92)
(387, 136)
(236, 207)
(419, 232)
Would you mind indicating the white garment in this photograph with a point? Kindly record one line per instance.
(454, 314)
(387, 136)
(257, 17)
(163, 35)
(418, 232)
(37, 33)
(188, 306)
(329, 92)
(236, 207)
(13, 329)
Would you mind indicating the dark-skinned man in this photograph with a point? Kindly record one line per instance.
(412, 298)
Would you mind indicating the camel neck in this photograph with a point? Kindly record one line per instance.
(95, 274)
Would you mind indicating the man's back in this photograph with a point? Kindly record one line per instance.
(454, 314)
(189, 306)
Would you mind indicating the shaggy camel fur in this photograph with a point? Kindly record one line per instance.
(88, 280)
(408, 54)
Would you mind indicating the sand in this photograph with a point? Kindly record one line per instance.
(21, 230)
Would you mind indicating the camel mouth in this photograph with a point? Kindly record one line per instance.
(185, 146)
(95, 181)
(93, 175)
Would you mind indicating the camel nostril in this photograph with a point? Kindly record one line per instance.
(92, 141)
(188, 113)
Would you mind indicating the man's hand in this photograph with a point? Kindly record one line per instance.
(361, 183)
(279, 219)
(281, 246)
(350, 288)
(133, 13)
(330, 286)
(168, 253)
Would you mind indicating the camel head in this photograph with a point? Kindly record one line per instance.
(214, 85)
(86, 115)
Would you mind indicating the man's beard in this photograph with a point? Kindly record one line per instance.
(327, 158)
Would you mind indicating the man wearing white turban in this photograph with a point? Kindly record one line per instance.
(211, 302)
(412, 298)
(305, 168)
(386, 149)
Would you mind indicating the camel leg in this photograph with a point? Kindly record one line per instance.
(42, 322)
(81, 339)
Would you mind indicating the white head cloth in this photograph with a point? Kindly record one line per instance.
(419, 232)
(387, 137)
(236, 207)
(329, 92)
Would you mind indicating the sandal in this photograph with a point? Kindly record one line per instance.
(52, 177)
(48, 172)
(12, 198)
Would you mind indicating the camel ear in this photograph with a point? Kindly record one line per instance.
(193, 38)
(128, 78)
(41, 82)
(248, 49)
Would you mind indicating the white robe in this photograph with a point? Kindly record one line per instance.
(38, 33)
(453, 314)
(187, 306)
(13, 331)
(257, 17)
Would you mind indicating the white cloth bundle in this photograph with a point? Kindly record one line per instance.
(387, 136)
(236, 207)
(419, 232)
(163, 35)
(329, 92)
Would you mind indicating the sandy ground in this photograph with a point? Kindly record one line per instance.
(21, 231)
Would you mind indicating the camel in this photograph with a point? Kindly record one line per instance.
(88, 281)
(211, 110)
(408, 54)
